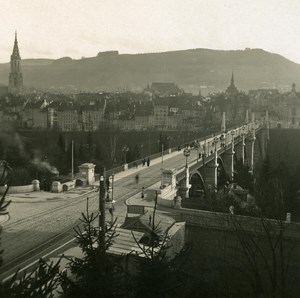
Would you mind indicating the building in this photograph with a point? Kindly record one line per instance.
(293, 104)
(92, 114)
(159, 89)
(34, 115)
(231, 88)
(68, 116)
(15, 84)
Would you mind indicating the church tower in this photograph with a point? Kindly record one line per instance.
(15, 85)
(232, 89)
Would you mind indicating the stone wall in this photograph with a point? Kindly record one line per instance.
(17, 189)
(223, 221)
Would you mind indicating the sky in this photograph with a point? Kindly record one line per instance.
(82, 28)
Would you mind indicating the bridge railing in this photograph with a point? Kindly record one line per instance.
(207, 140)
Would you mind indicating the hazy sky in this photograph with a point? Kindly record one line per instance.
(76, 28)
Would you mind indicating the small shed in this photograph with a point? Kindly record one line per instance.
(87, 171)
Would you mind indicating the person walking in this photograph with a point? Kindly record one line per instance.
(137, 178)
(148, 161)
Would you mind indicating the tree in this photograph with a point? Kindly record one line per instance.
(243, 177)
(95, 274)
(275, 190)
(41, 282)
(157, 276)
(4, 179)
(263, 256)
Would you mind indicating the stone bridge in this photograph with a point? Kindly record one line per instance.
(216, 162)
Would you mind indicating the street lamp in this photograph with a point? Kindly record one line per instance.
(232, 154)
(162, 163)
(125, 149)
(204, 147)
(215, 141)
(216, 163)
(186, 153)
(169, 141)
(252, 149)
(243, 145)
(222, 139)
(110, 202)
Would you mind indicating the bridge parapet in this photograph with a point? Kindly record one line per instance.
(223, 221)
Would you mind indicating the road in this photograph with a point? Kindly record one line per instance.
(37, 227)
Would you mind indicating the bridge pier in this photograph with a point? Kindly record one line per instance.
(216, 171)
(252, 139)
(187, 185)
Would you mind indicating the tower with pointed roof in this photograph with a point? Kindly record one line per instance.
(15, 84)
(232, 89)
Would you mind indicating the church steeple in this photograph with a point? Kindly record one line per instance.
(16, 53)
(232, 79)
(232, 89)
(15, 76)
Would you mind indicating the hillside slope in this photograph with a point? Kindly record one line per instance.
(253, 68)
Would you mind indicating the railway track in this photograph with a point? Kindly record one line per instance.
(29, 259)
(29, 254)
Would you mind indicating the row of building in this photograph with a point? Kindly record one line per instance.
(92, 111)
(162, 105)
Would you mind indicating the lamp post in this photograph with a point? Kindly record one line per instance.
(169, 141)
(204, 147)
(72, 161)
(102, 192)
(222, 139)
(186, 153)
(125, 149)
(162, 163)
(109, 201)
(252, 150)
(149, 144)
(216, 163)
(243, 145)
(232, 154)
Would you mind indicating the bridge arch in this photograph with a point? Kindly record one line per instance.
(198, 185)
(223, 176)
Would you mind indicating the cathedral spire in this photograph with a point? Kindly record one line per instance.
(15, 85)
(232, 79)
(16, 53)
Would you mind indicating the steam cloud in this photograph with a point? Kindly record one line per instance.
(44, 165)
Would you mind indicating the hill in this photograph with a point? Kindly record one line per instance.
(253, 68)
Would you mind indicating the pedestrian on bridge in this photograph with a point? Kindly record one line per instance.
(137, 178)
(148, 162)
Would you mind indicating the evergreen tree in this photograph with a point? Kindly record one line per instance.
(243, 177)
(95, 274)
(157, 276)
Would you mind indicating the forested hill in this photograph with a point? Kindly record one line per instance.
(253, 68)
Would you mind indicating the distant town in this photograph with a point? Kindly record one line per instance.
(161, 106)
